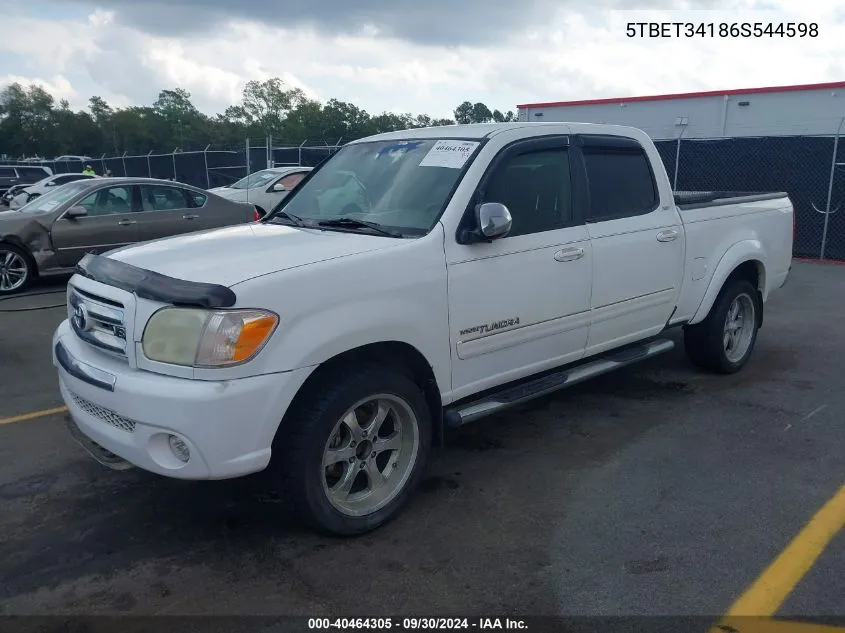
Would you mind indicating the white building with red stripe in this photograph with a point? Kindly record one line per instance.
(808, 109)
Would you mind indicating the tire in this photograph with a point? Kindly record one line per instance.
(319, 416)
(17, 270)
(709, 345)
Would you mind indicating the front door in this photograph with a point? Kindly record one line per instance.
(637, 240)
(110, 222)
(521, 304)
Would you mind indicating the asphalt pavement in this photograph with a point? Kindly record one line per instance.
(657, 490)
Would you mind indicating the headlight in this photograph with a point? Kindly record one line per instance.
(206, 338)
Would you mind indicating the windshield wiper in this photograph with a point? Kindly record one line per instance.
(353, 223)
(288, 217)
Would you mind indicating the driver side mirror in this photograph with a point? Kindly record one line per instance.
(493, 221)
(51, 184)
(279, 187)
(76, 212)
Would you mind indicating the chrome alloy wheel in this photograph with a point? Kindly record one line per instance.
(13, 270)
(370, 454)
(739, 327)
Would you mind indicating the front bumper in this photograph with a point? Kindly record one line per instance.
(228, 426)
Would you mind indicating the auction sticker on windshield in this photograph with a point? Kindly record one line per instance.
(452, 154)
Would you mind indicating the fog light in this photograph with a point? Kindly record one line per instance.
(179, 448)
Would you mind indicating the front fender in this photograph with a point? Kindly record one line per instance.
(736, 255)
(330, 332)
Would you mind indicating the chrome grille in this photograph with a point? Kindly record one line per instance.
(106, 415)
(97, 320)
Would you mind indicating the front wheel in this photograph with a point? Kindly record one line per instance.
(352, 449)
(723, 341)
(16, 270)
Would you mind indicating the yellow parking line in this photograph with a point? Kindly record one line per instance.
(31, 416)
(777, 581)
(744, 624)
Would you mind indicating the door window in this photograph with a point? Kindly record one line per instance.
(108, 201)
(536, 188)
(163, 198)
(621, 183)
(292, 180)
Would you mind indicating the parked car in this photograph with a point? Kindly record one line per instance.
(11, 175)
(23, 194)
(265, 188)
(480, 267)
(70, 157)
(53, 232)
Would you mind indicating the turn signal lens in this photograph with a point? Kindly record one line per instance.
(235, 337)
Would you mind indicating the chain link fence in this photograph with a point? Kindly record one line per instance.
(211, 167)
(811, 169)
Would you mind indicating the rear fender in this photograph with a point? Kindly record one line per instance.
(735, 256)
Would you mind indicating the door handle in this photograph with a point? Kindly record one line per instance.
(126, 222)
(667, 236)
(569, 254)
(190, 216)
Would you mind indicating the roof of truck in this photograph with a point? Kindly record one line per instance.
(470, 131)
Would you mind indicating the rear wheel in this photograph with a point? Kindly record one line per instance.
(16, 269)
(353, 448)
(723, 342)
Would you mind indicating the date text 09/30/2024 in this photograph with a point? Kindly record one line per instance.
(416, 624)
(722, 29)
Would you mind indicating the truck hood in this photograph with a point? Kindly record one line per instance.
(234, 254)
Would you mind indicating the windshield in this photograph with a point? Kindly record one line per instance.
(399, 185)
(258, 179)
(49, 201)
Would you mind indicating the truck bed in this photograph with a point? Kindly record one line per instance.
(686, 200)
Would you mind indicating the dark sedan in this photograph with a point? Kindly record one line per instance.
(54, 231)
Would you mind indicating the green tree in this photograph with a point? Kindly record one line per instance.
(265, 104)
(468, 112)
(33, 123)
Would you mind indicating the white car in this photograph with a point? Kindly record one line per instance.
(41, 187)
(264, 189)
(478, 267)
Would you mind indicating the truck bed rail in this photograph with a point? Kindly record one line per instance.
(686, 200)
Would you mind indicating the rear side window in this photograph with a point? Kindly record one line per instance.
(32, 173)
(621, 183)
(7, 172)
(197, 199)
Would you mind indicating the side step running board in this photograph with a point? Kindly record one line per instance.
(464, 413)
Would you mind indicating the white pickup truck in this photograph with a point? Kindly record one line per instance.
(414, 281)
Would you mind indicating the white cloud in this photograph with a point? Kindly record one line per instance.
(571, 54)
(58, 86)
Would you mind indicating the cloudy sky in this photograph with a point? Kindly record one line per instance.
(406, 55)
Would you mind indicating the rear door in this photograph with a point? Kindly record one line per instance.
(212, 212)
(110, 223)
(172, 210)
(637, 242)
